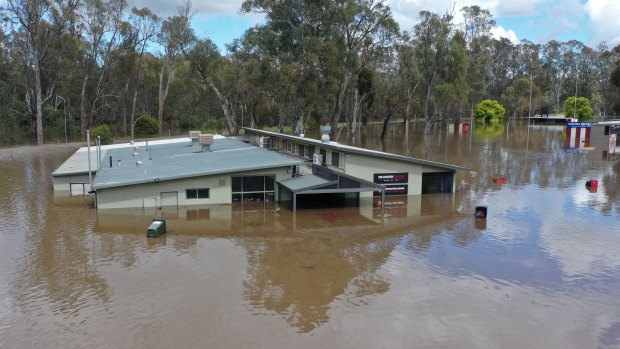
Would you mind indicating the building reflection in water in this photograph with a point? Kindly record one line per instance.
(299, 265)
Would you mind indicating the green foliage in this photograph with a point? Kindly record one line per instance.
(584, 110)
(489, 111)
(485, 133)
(104, 132)
(146, 125)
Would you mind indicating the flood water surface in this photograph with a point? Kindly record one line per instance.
(542, 271)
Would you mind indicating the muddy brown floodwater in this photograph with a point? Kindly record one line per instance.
(543, 271)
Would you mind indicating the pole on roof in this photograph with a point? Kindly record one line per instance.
(90, 176)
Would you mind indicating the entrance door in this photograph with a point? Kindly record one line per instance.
(437, 182)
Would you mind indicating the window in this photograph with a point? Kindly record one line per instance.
(310, 151)
(253, 188)
(323, 156)
(202, 193)
(300, 150)
(335, 159)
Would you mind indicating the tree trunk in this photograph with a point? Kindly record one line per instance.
(84, 125)
(39, 99)
(133, 111)
(339, 102)
(160, 100)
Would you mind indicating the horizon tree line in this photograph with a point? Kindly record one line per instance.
(76, 64)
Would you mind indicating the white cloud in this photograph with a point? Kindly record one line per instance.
(499, 32)
(515, 8)
(165, 8)
(604, 21)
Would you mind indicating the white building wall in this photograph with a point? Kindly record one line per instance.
(149, 194)
(62, 183)
(365, 167)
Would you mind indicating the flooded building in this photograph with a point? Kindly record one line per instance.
(400, 175)
(268, 167)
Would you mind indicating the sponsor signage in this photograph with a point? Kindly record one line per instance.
(576, 151)
(391, 178)
(394, 190)
(578, 124)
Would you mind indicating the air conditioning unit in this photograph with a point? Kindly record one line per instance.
(317, 159)
(264, 142)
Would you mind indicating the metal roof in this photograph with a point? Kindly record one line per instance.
(182, 160)
(78, 162)
(306, 182)
(355, 150)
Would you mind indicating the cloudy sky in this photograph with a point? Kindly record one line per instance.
(590, 21)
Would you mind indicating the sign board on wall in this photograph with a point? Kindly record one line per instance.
(578, 124)
(394, 190)
(391, 178)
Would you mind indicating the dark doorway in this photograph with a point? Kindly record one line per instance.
(437, 182)
(328, 200)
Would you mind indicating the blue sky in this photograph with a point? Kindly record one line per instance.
(590, 21)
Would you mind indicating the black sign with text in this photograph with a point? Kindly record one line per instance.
(391, 178)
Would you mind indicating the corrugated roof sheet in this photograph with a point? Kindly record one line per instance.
(356, 150)
(174, 161)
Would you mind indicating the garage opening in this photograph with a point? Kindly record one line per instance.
(437, 182)
(327, 200)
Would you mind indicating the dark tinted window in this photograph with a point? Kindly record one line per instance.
(256, 183)
(335, 159)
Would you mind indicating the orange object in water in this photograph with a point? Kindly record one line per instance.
(499, 180)
(594, 183)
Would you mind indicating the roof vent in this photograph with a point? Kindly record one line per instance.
(205, 141)
(325, 130)
(138, 163)
(193, 136)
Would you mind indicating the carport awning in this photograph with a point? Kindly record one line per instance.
(308, 182)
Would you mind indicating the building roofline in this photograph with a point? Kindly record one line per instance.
(356, 150)
(191, 175)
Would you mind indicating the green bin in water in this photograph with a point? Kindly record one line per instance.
(156, 229)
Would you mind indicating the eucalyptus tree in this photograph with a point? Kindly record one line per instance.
(477, 27)
(431, 41)
(559, 65)
(176, 37)
(37, 23)
(365, 33)
(504, 56)
(144, 26)
(103, 27)
(326, 44)
(218, 74)
(291, 41)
